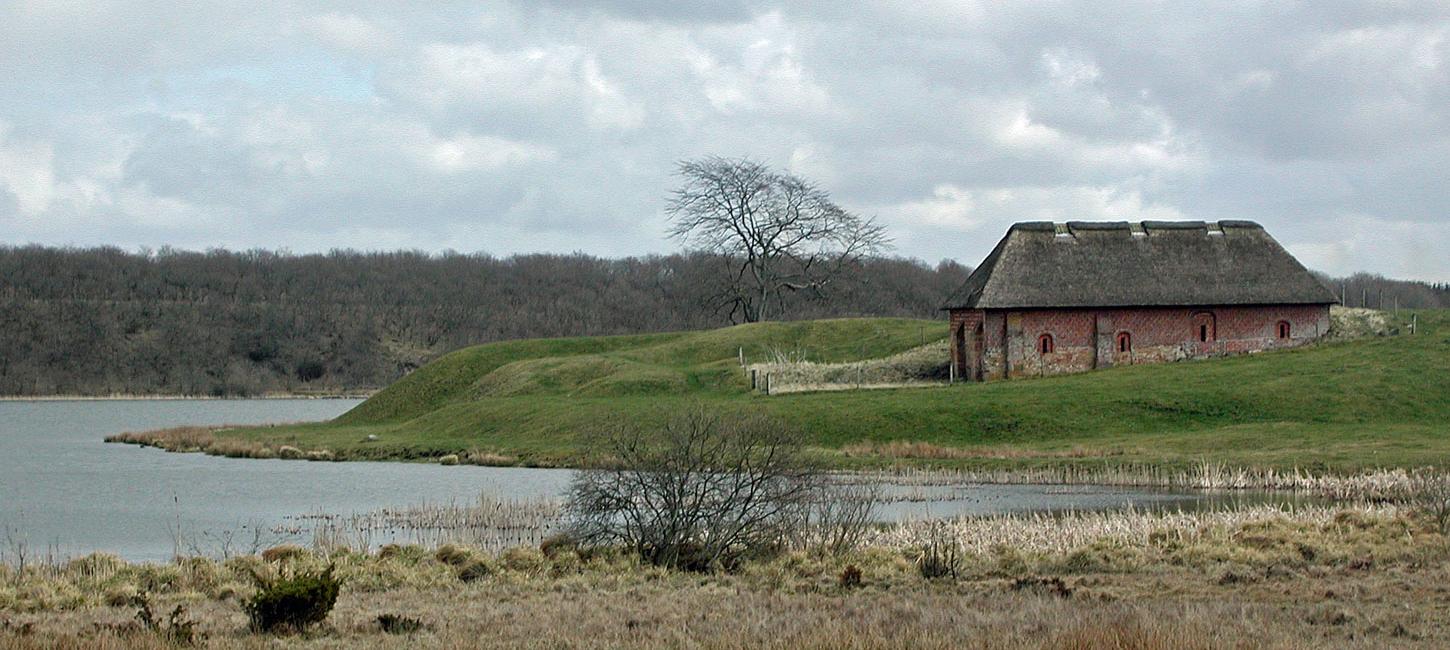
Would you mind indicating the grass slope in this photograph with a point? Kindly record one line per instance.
(1335, 406)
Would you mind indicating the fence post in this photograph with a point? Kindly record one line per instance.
(742, 357)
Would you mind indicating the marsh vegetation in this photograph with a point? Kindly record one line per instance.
(1338, 576)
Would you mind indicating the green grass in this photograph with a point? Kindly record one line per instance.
(1333, 407)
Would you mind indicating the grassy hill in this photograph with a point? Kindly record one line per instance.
(1335, 406)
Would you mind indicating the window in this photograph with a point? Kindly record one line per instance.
(1203, 333)
(1283, 329)
(1044, 344)
(1125, 342)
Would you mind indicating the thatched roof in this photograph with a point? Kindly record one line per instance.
(1155, 263)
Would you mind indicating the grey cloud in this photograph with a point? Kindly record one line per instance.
(519, 127)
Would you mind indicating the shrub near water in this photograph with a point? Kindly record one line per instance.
(293, 603)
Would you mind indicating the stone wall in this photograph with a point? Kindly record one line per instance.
(1084, 339)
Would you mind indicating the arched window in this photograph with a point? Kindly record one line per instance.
(1125, 342)
(1283, 329)
(1044, 344)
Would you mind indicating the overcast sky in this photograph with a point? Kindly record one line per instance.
(554, 126)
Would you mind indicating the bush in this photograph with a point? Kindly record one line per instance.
(399, 624)
(556, 544)
(283, 553)
(176, 630)
(452, 555)
(749, 483)
(850, 577)
(475, 570)
(941, 557)
(523, 559)
(292, 603)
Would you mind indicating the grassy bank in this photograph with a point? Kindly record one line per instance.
(1338, 577)
(1336, 407)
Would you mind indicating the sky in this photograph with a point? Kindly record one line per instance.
(511, 127)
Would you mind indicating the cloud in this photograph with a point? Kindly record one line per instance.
(26, 173)
(554, 126)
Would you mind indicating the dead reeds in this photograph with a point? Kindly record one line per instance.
(193, 439)
(491, 524)
(1379, 485)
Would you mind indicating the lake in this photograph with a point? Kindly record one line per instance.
(63, 490)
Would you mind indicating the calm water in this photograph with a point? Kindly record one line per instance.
(62, 488)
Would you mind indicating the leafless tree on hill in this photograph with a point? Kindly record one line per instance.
(778, 232)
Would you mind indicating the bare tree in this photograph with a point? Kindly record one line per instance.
(699, 494)
(778, 231)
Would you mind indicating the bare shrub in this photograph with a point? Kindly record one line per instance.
(177, 629)
(701, 493)
(841, 516)
(1429, 494)
(398, 624)
(941, 555)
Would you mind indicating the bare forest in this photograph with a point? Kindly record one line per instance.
(106, 321)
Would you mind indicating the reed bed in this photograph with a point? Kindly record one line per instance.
(1064, 533)
(491, 524)
(1381, 485)
(193, 439)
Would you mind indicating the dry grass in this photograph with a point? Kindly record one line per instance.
(925, 365)
(193, 439)
(1365, 577)
(1382, 485)
(918, 450)
(1357, 322)
(490, 524)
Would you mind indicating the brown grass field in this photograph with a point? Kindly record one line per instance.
(1319, 577)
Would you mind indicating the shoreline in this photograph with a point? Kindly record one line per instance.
(142, 398)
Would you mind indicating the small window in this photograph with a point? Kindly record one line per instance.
(1283, 329)
(1203, 333)
(1125, 342)
(1044, 344)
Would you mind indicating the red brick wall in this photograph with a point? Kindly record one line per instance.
(1084, 339)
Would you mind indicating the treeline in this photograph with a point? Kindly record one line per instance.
(1379, 292)
(105, 321)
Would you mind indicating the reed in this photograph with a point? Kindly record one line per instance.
(1380, 485)
(490, 524)
(1064, 533)
(192, 439)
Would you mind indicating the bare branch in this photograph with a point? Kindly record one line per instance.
(786, 232)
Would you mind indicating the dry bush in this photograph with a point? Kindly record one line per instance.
(283, 553)
(702, 493)
(941, 554)
(1429, 493)
(840, 518)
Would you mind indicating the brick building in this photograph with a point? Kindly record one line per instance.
(1070, 297)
